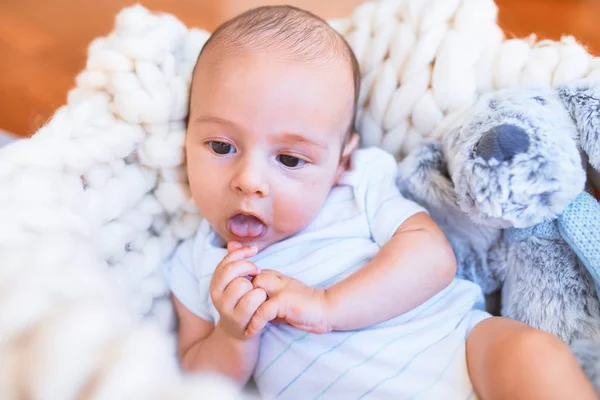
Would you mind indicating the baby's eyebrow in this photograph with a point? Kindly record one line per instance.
(213, 119)
(298, 138)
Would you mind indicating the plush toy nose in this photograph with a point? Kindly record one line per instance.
(502, 142)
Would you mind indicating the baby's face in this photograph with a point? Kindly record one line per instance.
(264, 142)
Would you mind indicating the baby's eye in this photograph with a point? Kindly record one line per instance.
(222, 148)
(290, 161)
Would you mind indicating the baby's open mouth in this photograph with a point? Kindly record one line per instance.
(245, 226)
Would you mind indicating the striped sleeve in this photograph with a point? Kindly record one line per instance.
(182, 280)
(385, 206)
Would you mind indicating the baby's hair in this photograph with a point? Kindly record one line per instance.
(293, 33)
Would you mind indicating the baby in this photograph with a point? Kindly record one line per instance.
(310, 272)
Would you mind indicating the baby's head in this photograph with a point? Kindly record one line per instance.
(271, 117)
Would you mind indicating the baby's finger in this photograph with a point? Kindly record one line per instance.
(232, 246)
(232, 294)
(223, 276)
(265, 313)
(247, 306)
(239, 254)
(269, 282)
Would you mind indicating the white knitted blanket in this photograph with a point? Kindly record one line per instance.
(97, 199)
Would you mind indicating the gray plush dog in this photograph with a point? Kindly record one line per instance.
(508, 186)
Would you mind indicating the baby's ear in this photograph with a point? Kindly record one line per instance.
(582, 100)
(349, 148)
(351, 145)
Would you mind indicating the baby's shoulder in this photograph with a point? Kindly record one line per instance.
(198, 250)
(368, 165)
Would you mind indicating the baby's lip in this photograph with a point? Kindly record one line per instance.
(249, 213)
(246, 226)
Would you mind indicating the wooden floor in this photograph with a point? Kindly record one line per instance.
(43, 43)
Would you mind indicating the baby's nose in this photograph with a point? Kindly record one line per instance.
(251, 182)
(502, 142)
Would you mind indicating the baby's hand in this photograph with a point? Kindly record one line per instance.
(291, 301)
(232, 293)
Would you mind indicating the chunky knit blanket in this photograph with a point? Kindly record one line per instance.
(96, 201)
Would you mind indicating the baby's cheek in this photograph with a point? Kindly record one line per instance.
(296, 213)
(206, 194)
(197, 186)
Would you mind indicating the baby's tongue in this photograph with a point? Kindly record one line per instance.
(245, 226)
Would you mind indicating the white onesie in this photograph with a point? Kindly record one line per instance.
(420, 354)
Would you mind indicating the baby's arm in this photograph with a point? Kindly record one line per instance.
(223, 348)
(203, 347)
(414, 265)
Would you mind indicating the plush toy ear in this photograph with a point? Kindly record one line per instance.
(423, 177)
(582, 100)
